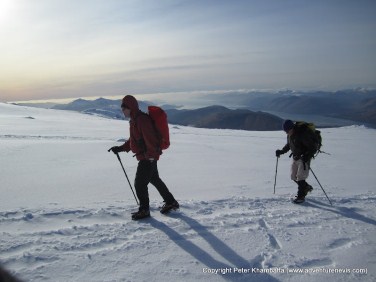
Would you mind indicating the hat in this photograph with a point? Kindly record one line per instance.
(288, 125)
(130, 102)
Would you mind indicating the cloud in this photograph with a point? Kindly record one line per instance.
(67, 47)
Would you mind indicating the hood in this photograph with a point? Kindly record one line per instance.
(130, 102)
(288, 125)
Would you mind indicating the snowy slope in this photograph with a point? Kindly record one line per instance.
(65, 205)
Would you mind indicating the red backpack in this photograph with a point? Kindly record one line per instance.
(159, 117)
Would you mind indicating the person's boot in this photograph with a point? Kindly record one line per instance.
(142, 213)
(308, 189)
(299, 198)
(305, 187)
(167, 207)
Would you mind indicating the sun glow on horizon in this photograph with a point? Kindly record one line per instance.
(59, 49)
(5, 9)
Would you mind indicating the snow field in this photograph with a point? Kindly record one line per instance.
(65, 205)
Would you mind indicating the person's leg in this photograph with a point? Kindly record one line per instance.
(302, 170)
(301, 176)
(294, 170)
(160, 185)
(143, 176)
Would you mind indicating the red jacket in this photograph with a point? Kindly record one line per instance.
(143, 140)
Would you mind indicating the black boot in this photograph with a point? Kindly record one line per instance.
(167, 207)
(303, 189)
(142, 213)
(300, 198)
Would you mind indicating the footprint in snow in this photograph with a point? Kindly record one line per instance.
(340, 243)
(272, 239)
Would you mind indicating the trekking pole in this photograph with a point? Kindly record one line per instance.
(321, 186)
(127, 177)
(275, 178)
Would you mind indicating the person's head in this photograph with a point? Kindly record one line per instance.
(129, 106)
(288, 126)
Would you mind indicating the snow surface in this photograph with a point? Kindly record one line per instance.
(65, 205)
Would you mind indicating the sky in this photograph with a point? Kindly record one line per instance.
(52, 49)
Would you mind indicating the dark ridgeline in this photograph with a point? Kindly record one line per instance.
(357, 106)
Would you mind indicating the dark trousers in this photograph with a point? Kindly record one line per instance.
(147, 172)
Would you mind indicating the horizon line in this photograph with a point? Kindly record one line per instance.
(195, 92)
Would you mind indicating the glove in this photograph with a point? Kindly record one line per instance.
(115, 149)
(278, 153)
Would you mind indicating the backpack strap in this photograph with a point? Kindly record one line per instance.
(141, 141)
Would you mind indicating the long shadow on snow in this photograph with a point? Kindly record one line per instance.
(343, 211)
(220, 247)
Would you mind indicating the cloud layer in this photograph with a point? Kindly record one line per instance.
(56, 49)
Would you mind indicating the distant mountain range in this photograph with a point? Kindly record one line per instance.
(357, 104)
(255, 110)
(208, 117)
(224, 118)
(101, 106)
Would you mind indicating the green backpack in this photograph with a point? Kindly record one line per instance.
(314, 133)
